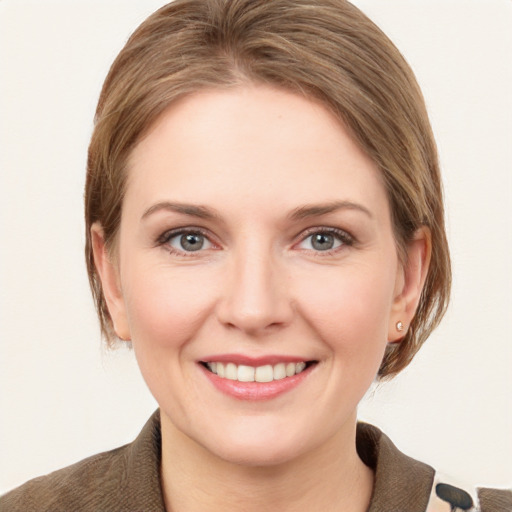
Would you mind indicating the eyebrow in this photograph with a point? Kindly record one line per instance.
(316, 210)
(186, 209)
(300, 213)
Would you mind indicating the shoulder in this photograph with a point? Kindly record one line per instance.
(127, 478)
(495, 500)
(403, 483)
(464, 497)
(76, 487)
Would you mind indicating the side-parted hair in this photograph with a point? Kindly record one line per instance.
(326, 50)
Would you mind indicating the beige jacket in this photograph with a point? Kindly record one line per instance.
(127, 479)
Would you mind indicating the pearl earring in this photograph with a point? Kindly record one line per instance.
(400, 326)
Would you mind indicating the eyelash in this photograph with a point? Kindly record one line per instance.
(342, 236)
(345, 238)
(165, 238)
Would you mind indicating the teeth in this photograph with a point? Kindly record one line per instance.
(290, 369)
(279, 371)
(231, 372)
(266, 373)
(245, 373)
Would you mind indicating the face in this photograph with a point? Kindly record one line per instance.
(256, 273)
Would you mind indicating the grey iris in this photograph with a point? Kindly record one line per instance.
(192, 242)
(322, 241)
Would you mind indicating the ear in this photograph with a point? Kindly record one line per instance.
(410, 280)
(110, 282)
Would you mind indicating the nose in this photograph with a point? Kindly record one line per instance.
(255, 298)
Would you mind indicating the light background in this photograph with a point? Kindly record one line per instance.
(63, 397)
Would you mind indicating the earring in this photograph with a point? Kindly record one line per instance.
(400, 326)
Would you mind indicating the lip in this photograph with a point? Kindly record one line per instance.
(239, 359)
(256, 391)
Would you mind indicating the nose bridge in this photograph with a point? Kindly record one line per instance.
(256, 295)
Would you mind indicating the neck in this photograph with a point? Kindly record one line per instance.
(331, 478)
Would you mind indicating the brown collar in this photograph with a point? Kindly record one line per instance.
(401, 483)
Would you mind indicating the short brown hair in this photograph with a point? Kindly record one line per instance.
(324, 49)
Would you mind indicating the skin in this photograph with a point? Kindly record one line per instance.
(253, 156)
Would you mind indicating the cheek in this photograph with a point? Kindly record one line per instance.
(165, 307)
(350, 309)
(165, 310)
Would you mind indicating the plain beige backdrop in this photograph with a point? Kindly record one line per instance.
(63, 397)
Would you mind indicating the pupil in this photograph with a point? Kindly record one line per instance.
(323, 242)
(192, 242)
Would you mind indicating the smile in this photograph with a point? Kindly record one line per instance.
(265, 373)
(256, 378)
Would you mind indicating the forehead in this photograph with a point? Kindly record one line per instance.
(253, 144)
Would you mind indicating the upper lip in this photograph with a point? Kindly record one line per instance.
(239, 359)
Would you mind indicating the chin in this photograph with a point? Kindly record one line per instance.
(256, 454)
(255, 447)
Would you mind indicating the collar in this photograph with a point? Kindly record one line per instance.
(401, 483)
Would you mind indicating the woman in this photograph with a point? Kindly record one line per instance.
(265, 226)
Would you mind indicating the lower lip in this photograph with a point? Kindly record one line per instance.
(256, 390)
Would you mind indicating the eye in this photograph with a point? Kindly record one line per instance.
(325, 240)
(186, 241)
